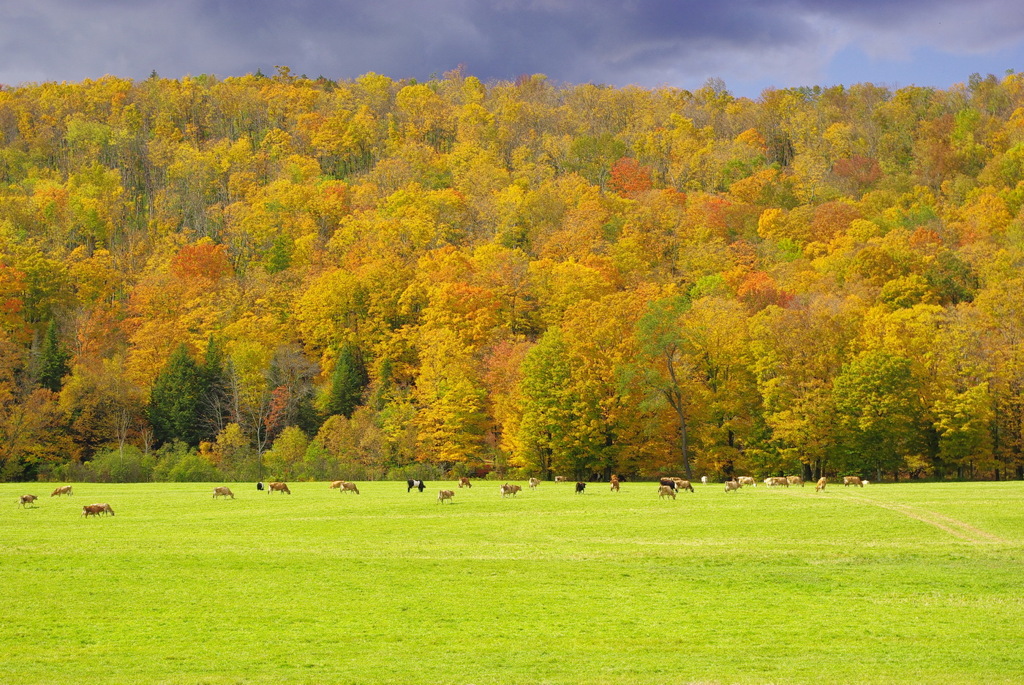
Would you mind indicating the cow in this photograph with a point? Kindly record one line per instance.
(746, 480)
(418, 484)
(223, 491)
(666, 491)
(668, 482)
(795, 480)
(534, 482)
(773, 481)
(92, 510)
(615, 483)
(349, 487)
(865, 482)
(463, 481)
(445, 495)
(821, 484)
(852, 480)
(580, 487)
(704, 480)
(277, 485)
(335, 485)
(61, 490)
(683, 484)
(561, 479)
(507, 489)
(27, 499)
(731, 485)
(105, 508)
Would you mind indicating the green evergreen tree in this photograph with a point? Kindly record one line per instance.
(347, 382)
(176, 401)
(53, 360)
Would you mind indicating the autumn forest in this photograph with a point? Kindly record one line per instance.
(283, 277)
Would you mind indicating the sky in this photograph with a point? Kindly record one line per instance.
(750, 45)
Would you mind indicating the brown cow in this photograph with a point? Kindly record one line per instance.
(507, 489)
(349, 487)
(682, 484)
(852, 480)
(96, 510)
(27, 499)
(747, 480)
(561, 479)
(821, 484)
(280, 487)
(223, 491)
(61, 490)
(335, 484)
(731, 485)
(773, 481)
(615, 483)
(534, 482)
(795, 480)
(666, 491)
(463, 481)
(445, 495)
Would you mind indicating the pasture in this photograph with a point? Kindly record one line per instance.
(920, 583)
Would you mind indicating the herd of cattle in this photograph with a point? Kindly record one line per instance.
(667, 487)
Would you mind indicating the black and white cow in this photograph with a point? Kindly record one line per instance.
(418, 484)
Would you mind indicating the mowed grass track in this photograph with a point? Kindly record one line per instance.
(918, 583)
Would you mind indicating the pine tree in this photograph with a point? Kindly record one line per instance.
(176, 400)
(53, 360)
(347, 382)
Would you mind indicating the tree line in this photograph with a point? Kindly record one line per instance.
(279, 276)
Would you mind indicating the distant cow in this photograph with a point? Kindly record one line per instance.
(223, 491)
(795, 480)
(615, 483)
(666, 491)
(418, 484)
(580, 487)
(670, 482)
(821, 484)
(534, 482)
(746, 480)
(62, 490)
(704, 480)
(776, 481)
(280, 487)
(852, 480)
(508, 489)
(349, 487)
(335, 485)
(445, 495)
(27, 499)
(463, 481)
(865, 482)
(683, 484)
(561, 479)
(96, 510)
(731, 485)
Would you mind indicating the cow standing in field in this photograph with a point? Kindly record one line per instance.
(277, 485)
(704, 480)
(666, 491)
(463, 482)
(27, 499)
(667, 482)
(775, 481)
(223, 491)
(580, 487)
(682, 484)
(561, 479)
(821, 484)
(61, 490)
(96, 510)
(418, 484)
(349, 487)
(534, 482)
(795, 480)
(335, 485)
(746, 480)
(508, 489)
(445, 495)
(731, 485)
(615, 483)
(852, 480)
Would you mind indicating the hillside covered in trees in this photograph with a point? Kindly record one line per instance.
(279, 276)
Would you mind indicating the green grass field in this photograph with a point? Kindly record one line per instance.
(918, 583)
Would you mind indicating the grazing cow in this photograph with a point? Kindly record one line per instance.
(795, 480)
(580, 487)
(27, 499)
(852, 480)
(335, 485)
(704, 480)
(61, 490)
(507, 489)
(561, 479)
(668, 481)
(666, 491)
(223, 491)
(349, 487)
(731, 485)
(445, 495)
(774, 481)
(821, 484)
(259, 485)
(747, 480)
(615, 483)
(280, 487)
(92, 510)
(418, 484)
(463, 481)
(682, 484)
(865, 482)
(534, 482)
